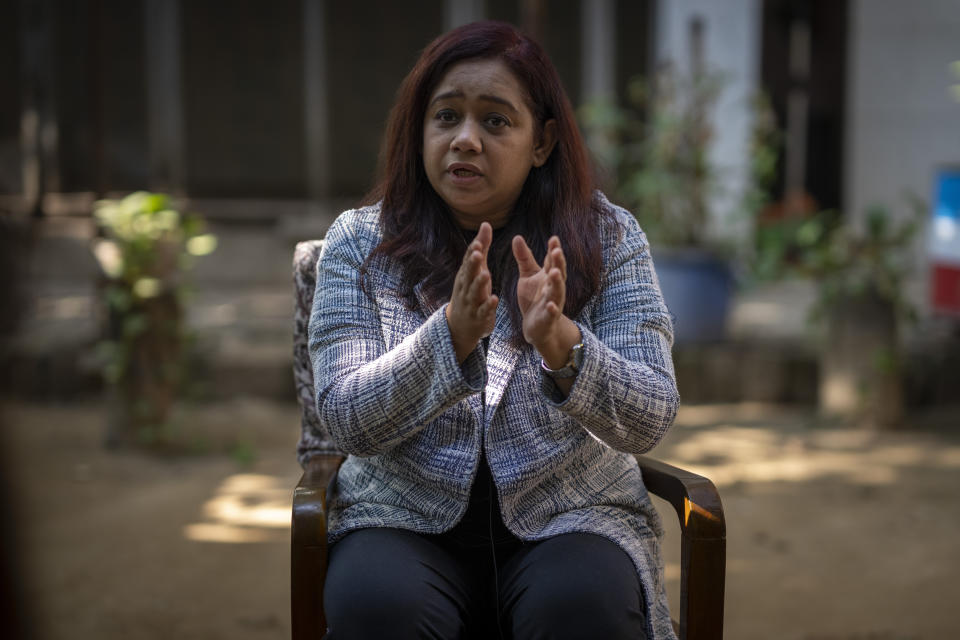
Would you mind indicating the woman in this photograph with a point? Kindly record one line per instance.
(489, 347)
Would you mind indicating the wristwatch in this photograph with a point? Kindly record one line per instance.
(569, 370)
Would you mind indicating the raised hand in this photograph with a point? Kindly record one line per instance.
(541, 294)
(472, 311)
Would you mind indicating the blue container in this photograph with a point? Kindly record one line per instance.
(697, 287)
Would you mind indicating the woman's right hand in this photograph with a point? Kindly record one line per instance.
(472, 311)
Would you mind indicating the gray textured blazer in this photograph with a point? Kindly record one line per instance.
(390, 394)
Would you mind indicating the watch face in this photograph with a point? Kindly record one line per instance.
(571, 368)
(576, 356)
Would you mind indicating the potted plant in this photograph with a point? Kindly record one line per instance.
(146, 248)
(658, 150)
(859, 272)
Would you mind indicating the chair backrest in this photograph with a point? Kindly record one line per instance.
(313, 439)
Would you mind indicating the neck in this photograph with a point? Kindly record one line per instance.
(473, 222)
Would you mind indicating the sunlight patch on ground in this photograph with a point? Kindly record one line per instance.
(205, 532)
(245, 507)
(729, 454)
(671, 570)
(698, 415)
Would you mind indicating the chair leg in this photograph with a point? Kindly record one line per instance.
(307, 618)
(308, 557)
(702, 588)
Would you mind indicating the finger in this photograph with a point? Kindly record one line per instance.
(488, 314)
(548, 260)
(526, 263)
(475, 245)
(460, 280)
(474, 264)
(485, 238)
(489, 306)
(553, 244)
(556, 288)
(558, 280)
(489, 318)
(479, 289)
(466, 274)
(560, 262)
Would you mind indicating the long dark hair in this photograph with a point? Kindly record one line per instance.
(420, 232)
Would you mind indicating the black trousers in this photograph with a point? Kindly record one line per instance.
(479, 581)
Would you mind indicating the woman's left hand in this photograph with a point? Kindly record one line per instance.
(541, 294)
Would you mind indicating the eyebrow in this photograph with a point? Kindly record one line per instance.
(459, 94)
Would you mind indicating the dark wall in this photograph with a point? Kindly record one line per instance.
(124, 98)
(633, 42)
(243, 87)
(10, 178)
(560, 36)
(100, 95)
(74, 96)
(243, 98)
(370, 52)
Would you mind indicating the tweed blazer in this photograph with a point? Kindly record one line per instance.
(412, 421)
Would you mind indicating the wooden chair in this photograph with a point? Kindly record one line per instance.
(695, 499)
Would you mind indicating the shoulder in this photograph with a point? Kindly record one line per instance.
(355, 230)
(619, 228)
(362, 222)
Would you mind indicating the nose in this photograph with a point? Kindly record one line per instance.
(467, 137)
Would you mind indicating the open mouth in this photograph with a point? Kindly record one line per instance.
(464, 170)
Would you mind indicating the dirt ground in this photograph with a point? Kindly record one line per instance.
(833, 534)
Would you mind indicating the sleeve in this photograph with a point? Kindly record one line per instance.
(369, 399)
(625, 393)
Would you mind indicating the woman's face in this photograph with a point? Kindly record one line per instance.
(479, 141)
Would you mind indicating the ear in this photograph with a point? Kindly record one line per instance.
(548, 140)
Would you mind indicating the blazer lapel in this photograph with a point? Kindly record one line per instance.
(425, 305)
(501, 361)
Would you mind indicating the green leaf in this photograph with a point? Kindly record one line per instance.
(886, 361)
(134, 325)
(202, 245)
(118, 298)
(147, 287)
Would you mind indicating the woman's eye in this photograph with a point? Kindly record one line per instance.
(446, 116)
(496, 121)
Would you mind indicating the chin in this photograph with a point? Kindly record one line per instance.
(470, 209)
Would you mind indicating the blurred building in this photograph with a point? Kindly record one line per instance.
(248, 100)
(286, 100)
(268, 115)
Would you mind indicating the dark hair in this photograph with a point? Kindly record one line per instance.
(420, 232)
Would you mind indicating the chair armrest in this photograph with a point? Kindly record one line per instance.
(308, 547)
(694, 498)
(702, 546)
